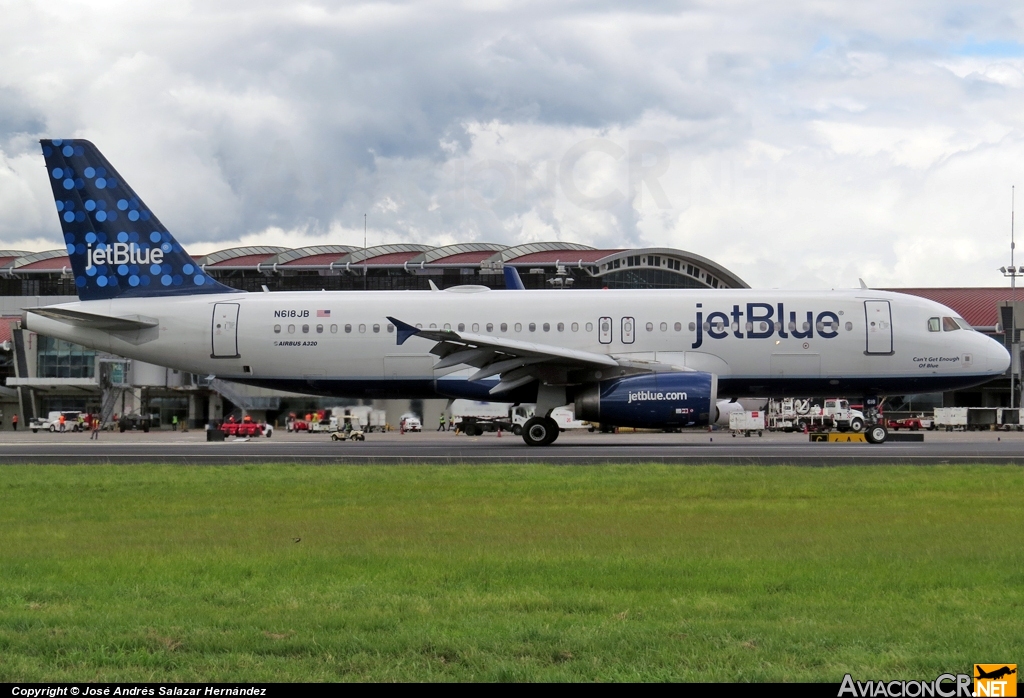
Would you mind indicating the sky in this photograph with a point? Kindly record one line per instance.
(799, 144)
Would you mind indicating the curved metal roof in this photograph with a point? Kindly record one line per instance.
(511, 253)
(236, 252)
(728, 279)
(369, 253)
(437, 254)
(9, 257)
(37, 257)
(300, 253)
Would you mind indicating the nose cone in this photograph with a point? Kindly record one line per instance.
(998, 358)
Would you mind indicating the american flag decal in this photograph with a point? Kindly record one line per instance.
(323, 313)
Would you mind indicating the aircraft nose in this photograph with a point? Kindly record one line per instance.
(998, 357)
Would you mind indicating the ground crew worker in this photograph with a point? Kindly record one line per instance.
(14, 422)
(442, 426)
(95, 428)
(62, 422)
(174, 423)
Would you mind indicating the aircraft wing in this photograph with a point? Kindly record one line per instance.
(517, 362)
(97, 322)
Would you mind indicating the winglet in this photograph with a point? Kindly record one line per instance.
(405, 330)
(863, 286)
(513, 282)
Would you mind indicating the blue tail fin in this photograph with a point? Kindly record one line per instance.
(116, 245)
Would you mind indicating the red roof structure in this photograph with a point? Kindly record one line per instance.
(54, 263)
(392, 258)
(7, 323)
(565, 256)
(978, 306)
(248, 260)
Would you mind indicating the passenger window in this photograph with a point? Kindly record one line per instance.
(949, 324)
(693, 326)
(533, 327)
(334, 329)
(376, 329)
(391, 328)
(519, 327)
(590, 327)
(448, 326)
(348, 329)
(490, 327)
(504, 327)
(650, 327)
(419, 325)
(476, 326)
(679, 327)
(291, 329)
(561, 327)
(277, 329)
(305, 329)
(433, 326)
(462, 327)
(319, 329)
(362, 329)
(575, 327)
(547, 326)
(933, 324)
(849, 326)
(664, 327)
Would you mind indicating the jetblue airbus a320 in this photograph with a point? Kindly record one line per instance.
(648, 358)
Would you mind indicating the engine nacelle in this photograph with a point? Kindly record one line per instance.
(651, 400)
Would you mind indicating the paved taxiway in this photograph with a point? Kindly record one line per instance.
(571, 448)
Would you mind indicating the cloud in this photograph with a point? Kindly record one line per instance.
(801, 145)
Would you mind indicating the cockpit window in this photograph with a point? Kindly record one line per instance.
(934, 324)
(964, 325)
(949, 324)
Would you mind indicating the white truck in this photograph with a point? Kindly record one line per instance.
(474, 417)
(52, 422)
(792, 414)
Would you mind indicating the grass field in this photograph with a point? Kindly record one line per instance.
(159, 573)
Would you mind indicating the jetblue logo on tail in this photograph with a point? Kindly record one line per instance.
(116, 245)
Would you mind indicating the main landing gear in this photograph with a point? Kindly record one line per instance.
(540, 431)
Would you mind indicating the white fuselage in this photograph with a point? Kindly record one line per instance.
(856, 342)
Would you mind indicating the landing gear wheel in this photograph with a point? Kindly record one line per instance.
(540, 431)
(876, 434)
(856, 424)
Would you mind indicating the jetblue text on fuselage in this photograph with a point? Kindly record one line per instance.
(762, 321)
(122, 253)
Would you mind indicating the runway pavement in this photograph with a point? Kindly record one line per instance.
(579, 448)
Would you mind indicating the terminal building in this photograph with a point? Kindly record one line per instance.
(39, 374)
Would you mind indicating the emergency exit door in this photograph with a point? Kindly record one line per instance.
(878, 315)
(225, 331)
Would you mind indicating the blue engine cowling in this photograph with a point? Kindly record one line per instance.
(651, 400)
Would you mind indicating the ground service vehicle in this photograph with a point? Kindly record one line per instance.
(648, 358)
(133, 422)
(911, 423)
(747, 422)
(793, 414)
(411, 423)
(348, 436)
(52, 422)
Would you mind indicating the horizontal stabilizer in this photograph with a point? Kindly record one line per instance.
(97, 322)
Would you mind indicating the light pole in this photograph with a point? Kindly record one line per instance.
(1013, 272)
